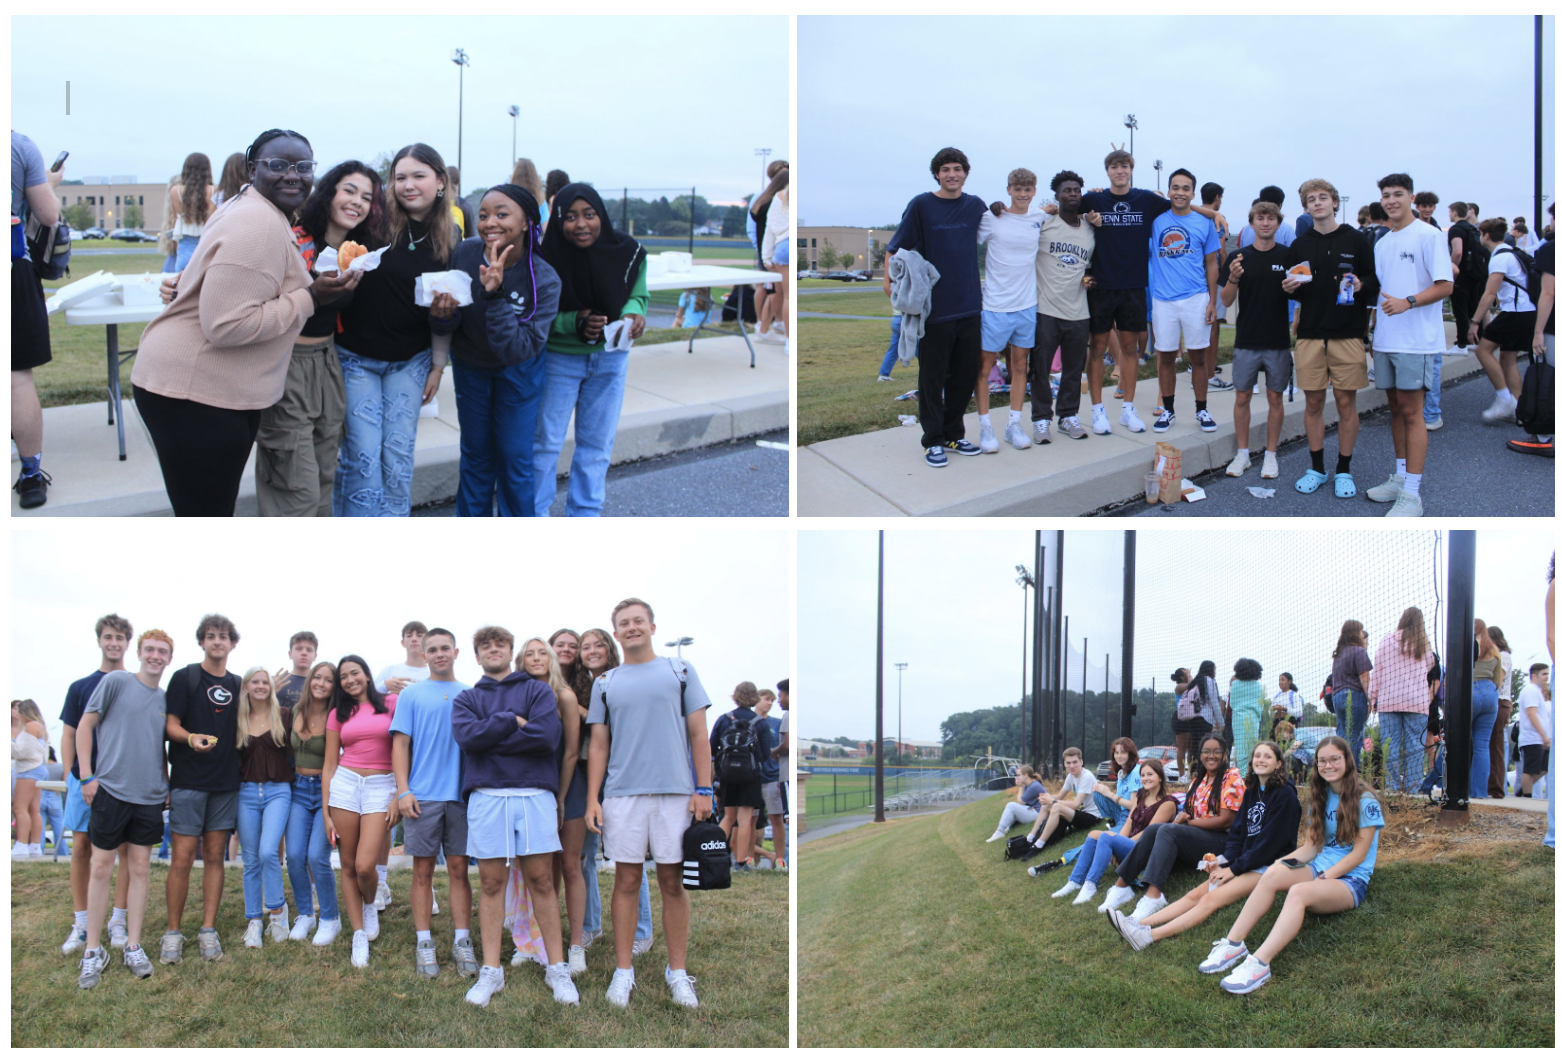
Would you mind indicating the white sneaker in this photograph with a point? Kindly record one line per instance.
(989, 442)
(1406, 504)
(770, 338)
(1086, 893)
(564, 992)
(1388, 491)
(1248, 977)
(1015, 436)
(1130, 419)
(75, 940)
(489, 982)
(995, 836)
(1116, 898)
(435, 910)
(1271, 466)
(588, 937)
(1148, 906)
(1067, 889)
(618, 990)
(278, 927)
(641, 946)
(682, 984)
(577, 960)
(252, 935)
(1099, 422)
(382, 896)
(1501, 409)
(1223, 956)
(302, 925)
(35, 850)
(360, 949)
(118, 936)
(1239, 464)
(371, 921)
(327, 932)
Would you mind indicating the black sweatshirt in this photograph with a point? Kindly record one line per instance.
(1265, 827)
(382, 322)
(1331, 256)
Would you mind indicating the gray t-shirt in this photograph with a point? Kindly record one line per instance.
(649, 754)
(129, 738)
(27, 170)
(1061, 261)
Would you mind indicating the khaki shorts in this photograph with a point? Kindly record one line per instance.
(1321, 363)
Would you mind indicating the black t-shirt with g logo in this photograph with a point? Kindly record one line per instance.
(213, 711)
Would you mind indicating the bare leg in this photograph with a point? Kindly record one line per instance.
(423, 893)
(213, 872)
(97, 894)
(460, 892)
(492, 875)
(1019, 360)
(1166, 368)
(1350, 421)
(1414, 428)
(347, 827)
(573, 838)
(983, 394)
(1510, 371)
(537, 869)
(1312, 415)
(1241, 414)
(1197, 365)
(1204, 907)
(626, 909)
(1276, 420)
(1271, 883)
(1096, 368)
(675, 913)
(373, 847)
(1128, 366)
(26, 413)
(21, 808)
(136, 870)
(1319, 896)
(1486, 353)
(778, 830)
(181, 860)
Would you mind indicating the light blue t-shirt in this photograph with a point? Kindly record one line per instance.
(1129, 783)
(1371, 816)
(1177, 249)
(423, 713)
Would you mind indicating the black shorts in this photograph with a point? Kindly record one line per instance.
(1123, 310)
(29, 318)
(1510, 331)
(114, 823)
(1536, 758)
(734, 794)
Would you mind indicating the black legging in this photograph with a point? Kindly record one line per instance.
(201, 449)
(1461, 305)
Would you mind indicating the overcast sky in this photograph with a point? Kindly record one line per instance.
(1243, 101)
(656, 102)
(728, 589)
(1251, 588)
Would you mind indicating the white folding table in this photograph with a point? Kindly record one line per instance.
(660, 278)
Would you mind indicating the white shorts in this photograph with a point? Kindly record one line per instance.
(633, 824)
(1180, 323)
(360, 794)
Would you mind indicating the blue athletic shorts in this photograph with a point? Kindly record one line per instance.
(1000, 330)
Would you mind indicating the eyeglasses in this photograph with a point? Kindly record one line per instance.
(1331, 761)
(282, 165)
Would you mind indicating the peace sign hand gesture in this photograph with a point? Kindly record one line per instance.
(492, 270)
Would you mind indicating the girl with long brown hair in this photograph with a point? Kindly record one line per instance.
(1402, 662)
(1152, 804)
(308, 846)
(190, 204)
(1497, 783)
(1328, 873)
(29, 755)
(1352, 680)
(1487, 675)
(1113, 801)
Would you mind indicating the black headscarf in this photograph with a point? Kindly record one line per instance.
(601, 276)
(528, 204)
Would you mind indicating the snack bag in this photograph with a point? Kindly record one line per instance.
(1301, 271)
(1170, 471)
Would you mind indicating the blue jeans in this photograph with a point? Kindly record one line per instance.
(1432, 403)
(892, 355)
(185, 252)
(1434, 777)
(591, 387)
(1483, 715)
(263, 809)
(162, 851)
(1404, 753)
(497, 408)
(593, 921)
(1350, 720)
(309, 851)
(1097, 853)
(1109, 811)
(379, 434)
(54, 814)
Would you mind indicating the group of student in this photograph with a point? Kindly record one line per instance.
(1241, 830)
(1071, 277)
(524, 773)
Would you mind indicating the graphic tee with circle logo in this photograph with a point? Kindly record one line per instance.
(211, 711)
(1178, 246)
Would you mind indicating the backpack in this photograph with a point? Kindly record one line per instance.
(707, 859)
(737, 752)
(681, 673)
(1018, 848)
(49, 248)
(1537, 397)
(1531, 274)
(1475, 262)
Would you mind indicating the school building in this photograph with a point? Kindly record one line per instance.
(107, 198)
(852, 243)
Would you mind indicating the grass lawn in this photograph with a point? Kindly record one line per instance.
(832, 794)
(838, 392)
(294, 995)
(917, 933)
(860, 301)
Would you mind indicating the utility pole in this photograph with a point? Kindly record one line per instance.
(459, 57)
(1132, 123)
(878, 711)
(763, 153)
(900, 726)
(515, 114)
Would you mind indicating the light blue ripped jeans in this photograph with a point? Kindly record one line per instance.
(379, 434)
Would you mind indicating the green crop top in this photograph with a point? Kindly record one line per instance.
(310, 753)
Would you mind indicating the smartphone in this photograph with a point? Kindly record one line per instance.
(1291, 863)
(58, 162)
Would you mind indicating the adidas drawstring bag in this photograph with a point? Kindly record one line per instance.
(707, 860)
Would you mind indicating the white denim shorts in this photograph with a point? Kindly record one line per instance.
(361, 794)
(633, 824)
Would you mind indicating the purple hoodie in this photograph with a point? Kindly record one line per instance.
(495, 751)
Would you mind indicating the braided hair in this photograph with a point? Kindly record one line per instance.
(252, 152)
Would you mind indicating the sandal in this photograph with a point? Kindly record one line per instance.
(1344, 485)
(1310, 482)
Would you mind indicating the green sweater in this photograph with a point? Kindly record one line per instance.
(563, 339)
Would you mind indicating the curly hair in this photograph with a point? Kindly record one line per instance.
(315, 215)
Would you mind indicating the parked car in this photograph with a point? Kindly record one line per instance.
(130, 235)
(844, 277)
(809, 274)
(1167, 756)
(94, 233)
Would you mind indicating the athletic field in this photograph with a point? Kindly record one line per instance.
(832, 794)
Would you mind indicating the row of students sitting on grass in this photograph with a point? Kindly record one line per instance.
(1244, 833)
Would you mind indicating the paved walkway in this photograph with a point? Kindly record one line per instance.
(673, 401)
(882, 473)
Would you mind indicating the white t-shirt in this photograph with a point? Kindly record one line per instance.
(1511, 298)
(1291, 701)
(1530, 696)
(1529, 242)
(1408, 262)
(400, 669)
(1073, 785)
(1011, 239)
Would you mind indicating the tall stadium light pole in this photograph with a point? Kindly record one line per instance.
(515, 116)
(1127, 692)
(1062, 690)
(1537, 222)
(1132, 123)
(1084, 692)
(1060, 651)
(1046, 665)
(1457, 664)
(1026, 583)
(680, 644)
(878, 704)
(763, 154)
(1037, 663)
(900, 725)
(459, 57)
(1157, 174)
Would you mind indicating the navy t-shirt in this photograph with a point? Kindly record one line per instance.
(944, 232)
(1122, 258)
(75, 700)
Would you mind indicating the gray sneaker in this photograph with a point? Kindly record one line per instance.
(210, 944)
(1388, 491)
(172, 949)
(465, 956)
(1042, 429)
(92, 969)
(424, 962)
(138, 962)
(1071, 426)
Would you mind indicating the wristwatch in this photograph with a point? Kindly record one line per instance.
(1412, 301)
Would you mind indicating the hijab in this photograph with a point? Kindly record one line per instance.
(598, 277)
(528, 204)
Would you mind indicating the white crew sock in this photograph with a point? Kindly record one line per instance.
(425, 936)
(1399, 467)
(1412, 485)
(1099, 407)
(382, 870)
(986, 418)
(118, 916)
(81, 918)
(1505, 394)
(1128, 406)
(462, 933)
(1014, 416)
(1242, 453)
